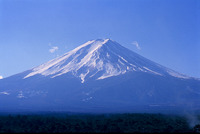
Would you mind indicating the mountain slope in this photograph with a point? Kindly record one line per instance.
(99, 76)
(102, 59)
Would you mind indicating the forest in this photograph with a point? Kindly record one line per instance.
(95, 123)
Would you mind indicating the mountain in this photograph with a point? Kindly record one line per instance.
(100, 76)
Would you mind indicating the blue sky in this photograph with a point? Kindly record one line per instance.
(33, 32)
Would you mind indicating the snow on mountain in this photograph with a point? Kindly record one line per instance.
(100, 59)
(99, 76)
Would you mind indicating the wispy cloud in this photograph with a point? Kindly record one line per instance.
(1, 77)
(136, 44)
(53, 49)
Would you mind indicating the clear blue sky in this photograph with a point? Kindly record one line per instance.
(167, 31)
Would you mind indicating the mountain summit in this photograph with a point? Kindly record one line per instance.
(100, 59)
(100, 76)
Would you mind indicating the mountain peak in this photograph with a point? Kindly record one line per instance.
(100, 59)
(92, 43)
(100, 75)
(101, 40)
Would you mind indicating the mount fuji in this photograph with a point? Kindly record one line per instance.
(100, 76)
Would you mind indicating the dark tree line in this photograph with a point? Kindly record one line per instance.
(140, 123)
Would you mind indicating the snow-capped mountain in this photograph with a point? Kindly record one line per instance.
(101, 58)
(99, 76)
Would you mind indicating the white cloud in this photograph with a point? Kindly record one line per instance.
(1, 77)
(53, 49)
(136, 44)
